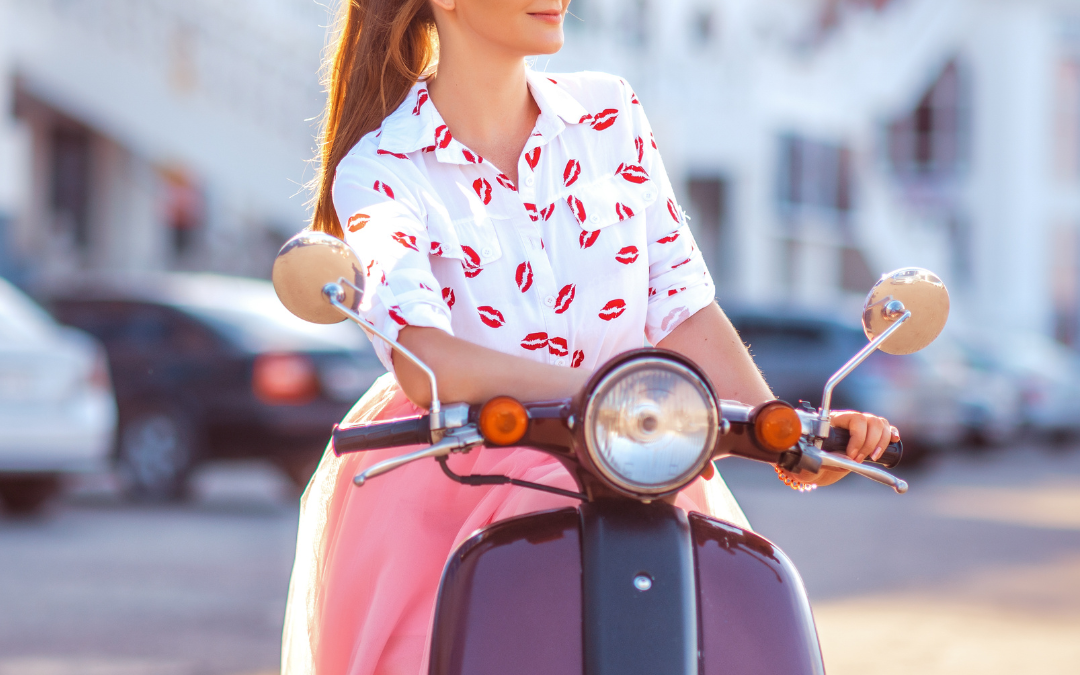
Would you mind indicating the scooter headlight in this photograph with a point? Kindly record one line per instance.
(650, 426)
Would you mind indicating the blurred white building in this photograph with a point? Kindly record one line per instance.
(815, 143)
(148, 134)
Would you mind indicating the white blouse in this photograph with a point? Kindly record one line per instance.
(585, 258)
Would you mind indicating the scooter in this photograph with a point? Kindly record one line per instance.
(626, 582)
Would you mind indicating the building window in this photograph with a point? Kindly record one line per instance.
(636, 20)
(185, 211)
(1067, 121)
(930, 139)
(816, 175)
(70, 178)
(709, 224)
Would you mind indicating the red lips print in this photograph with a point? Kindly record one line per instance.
(676, 265)
(571, 173)
(557, 346)
(623, 211)
(673, 210)
(448, 297)
(613, 310)
(534, 341)
(406, 240)
(584, 119)
(633, 99)
(652, 139)
(579, 358)
(546, 212)
(524, 276)
(604, 119)
(482, 189)
(442, 136)
(471, 156)
(395, 314)
(640, 145)
(633, 173)
(668, 239)
(380, 151)
(532, 157)
(587, 238)
(421, 99)
(357, 222)
(577, 207)
(566, 296)
(382, 187)
(505, 181)
(437, 249)
(531, 209)
(627, 255)
(491, 316)
(472, 262)
(675, 291)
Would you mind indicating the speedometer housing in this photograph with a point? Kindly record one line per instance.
(649, 421)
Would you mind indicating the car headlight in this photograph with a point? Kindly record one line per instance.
(650, 425)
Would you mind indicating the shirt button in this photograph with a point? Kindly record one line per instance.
(550, 301)
(594, 218)
(561, 362)
(529, 180)
(487, 252)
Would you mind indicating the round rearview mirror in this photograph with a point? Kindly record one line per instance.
(922, 293)
(308, 262)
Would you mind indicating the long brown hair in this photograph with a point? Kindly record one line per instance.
(381, 48)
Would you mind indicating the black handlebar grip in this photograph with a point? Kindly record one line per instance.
(381, 435)
(838, 441)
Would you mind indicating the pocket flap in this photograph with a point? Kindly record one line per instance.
(607, 201)
(472, 240)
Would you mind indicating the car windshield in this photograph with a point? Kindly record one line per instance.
(20, 317)
(248, 313)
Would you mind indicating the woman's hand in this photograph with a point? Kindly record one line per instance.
(870, 434)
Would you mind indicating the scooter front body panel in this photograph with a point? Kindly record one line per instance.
(556, 592)
(753, 610)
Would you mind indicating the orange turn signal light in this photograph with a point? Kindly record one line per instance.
(777, 427)
(503, 421)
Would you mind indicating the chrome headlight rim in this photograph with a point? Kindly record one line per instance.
(615, 371)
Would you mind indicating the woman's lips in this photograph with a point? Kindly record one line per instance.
(548, 17)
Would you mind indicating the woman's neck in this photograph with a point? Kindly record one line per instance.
(483, 96)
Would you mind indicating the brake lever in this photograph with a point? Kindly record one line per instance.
(455, 440)
(835, 461)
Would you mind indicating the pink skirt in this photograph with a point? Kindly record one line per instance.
(369, 560)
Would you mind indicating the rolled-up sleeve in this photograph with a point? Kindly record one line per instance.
(382, 221)
(679, 282)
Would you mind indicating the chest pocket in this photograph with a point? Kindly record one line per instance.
(611, 200)
(472, 239)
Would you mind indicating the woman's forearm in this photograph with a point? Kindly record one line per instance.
(469, 373)
(709, 339)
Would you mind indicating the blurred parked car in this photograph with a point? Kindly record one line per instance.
(57, 410)
(991, 402)
(1048, 374)
(798, 351)
(209, 366)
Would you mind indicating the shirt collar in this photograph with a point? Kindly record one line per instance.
(417, 125)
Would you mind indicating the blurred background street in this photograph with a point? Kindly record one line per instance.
(975, 571)
(160, 410)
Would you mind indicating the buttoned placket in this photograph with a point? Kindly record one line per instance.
(545, 285)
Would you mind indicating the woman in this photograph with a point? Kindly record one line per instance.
(517, 230)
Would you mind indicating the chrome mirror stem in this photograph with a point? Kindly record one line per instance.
(335, 294)
(894, 310)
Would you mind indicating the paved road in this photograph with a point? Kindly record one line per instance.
(977, 569)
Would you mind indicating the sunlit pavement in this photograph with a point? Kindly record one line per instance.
(975, 570)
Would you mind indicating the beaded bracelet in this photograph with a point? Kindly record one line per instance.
(793, 483)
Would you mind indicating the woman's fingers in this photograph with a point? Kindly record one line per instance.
(870, 434)
(856, 426)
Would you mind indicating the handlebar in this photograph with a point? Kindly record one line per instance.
(410, 431)
(838, 440)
